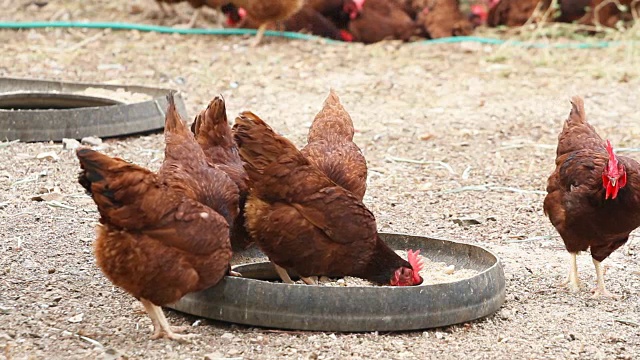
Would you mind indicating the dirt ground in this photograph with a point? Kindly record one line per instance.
(490, 113)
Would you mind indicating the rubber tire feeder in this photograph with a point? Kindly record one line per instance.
(37, 110)
(251, 300)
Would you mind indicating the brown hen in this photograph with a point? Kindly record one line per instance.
(331, 148)
(443, 18)
(607, 13)
(187, 166)
(380, 20)
(593, 196)
(213, 133)
(305, 222)
(196, 4)
(264, 12)
(514, 12)
(307, 19)
(156, 240)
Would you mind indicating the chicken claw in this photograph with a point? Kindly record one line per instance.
(572, 285)
(603, 293)
(161, 326)
(234, 273)
(600, 291)
(172, 335)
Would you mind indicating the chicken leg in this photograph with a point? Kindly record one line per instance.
(284, 275)
(161, 327)
(600, 290)
(573, 282)
(259, 35)
(192, 22)
(164, 11)
(311, 280)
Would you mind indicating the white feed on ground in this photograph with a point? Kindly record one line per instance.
(433, 272)
(119, 94)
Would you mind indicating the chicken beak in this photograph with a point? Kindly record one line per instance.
(613, 181)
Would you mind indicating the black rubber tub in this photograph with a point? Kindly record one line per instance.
(38, 110)
(253, 301)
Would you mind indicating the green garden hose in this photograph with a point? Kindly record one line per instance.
(283, 34)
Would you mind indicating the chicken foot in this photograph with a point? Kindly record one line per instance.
(600, 290)
(161, 327)
(573, 282)
(234, 273)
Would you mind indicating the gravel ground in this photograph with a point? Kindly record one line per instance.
(491, 114)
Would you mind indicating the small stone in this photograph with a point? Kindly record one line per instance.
(51, 271)
(449, 270)
(234, 352)
(76, 319)
(503, 339)
(466, 221)
(48, 155)
(506, 314)
(52, 196)
(439, 335)
(91, 141)
(425, 137)
(213, 356)
(70, 144)
(227, 336)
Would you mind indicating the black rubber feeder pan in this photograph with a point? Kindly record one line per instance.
(38, 110)
(253, 300)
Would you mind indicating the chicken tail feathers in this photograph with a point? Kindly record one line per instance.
(99, 171)
(332, 120)
(259, 145)
(113, 184)
(211, 126)
(94, 166)
(173, 122)
(577, 114)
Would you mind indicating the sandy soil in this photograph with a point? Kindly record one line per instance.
(490, 113)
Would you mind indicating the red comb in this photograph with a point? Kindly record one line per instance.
(414, 260)
(613, 161)
(609, 147)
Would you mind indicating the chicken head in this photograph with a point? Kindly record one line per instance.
(614, 176)
(405, 276)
